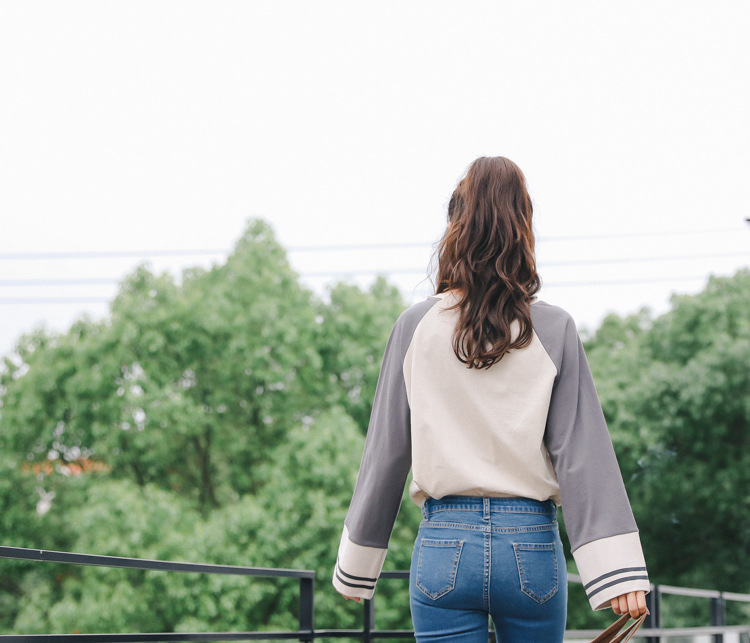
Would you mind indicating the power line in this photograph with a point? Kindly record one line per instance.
(93, 281)
(623, 282)
(546, 264)
(12, 301)
(578, 262)
(561, 284)
(84, 281)
(539, 239)
(110, 254)
(663, 233)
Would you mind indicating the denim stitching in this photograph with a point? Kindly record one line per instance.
(522, 576)
(497, 530)
(478, 508)
(458, 544)
(551, 517)
(488, 567)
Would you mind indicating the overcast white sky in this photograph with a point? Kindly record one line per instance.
(165, 125)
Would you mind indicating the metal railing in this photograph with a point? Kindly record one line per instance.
(306, 577)
(652, 630)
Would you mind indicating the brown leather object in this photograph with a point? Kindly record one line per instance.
(613, 635)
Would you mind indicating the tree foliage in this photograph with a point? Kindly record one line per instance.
(690, 403)
(221, 419)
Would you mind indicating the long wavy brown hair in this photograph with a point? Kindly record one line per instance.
(487, 255)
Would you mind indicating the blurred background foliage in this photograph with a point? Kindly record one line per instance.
(222, 419)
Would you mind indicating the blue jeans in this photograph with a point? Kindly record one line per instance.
(477, 556)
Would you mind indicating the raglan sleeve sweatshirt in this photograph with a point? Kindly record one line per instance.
(530, 426)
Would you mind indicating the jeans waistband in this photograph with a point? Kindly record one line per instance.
(487, 504)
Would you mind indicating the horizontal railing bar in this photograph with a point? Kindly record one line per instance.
(154, 636)
(380, 634)
(697, 631)
(373, 634)
(667, 632)
(569, 634)
(48, 556)
(165, 636)
(689, 591)
(733, 596)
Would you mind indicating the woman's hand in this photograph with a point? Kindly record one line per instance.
(633, 602)
(353, 598)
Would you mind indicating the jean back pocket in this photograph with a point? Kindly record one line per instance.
(537, 569)
(437, 566)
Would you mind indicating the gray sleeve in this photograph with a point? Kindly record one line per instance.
(385, 465)
(599, 520)
(595, 504)
(386, 459)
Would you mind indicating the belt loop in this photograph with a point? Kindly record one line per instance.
(486, 508)
(424, 510)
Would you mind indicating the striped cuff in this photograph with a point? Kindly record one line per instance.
(357, 568)
(610, 567)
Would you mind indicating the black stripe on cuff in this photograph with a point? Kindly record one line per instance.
(372, 580)
(616, 582)
(341, 580)
(622, 570)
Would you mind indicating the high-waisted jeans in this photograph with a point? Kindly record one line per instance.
(476, 557)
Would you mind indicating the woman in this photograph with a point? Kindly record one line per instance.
(485, 393)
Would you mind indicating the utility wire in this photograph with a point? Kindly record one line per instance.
(12, 301)
(545, 264)
(85, 281)
(109, 254)
(562, 284)
(93, 281)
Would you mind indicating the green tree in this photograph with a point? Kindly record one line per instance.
(675, 391)
(230, 394)
(353, 331)
(692, 401)
(221, 419)
(676, 395)
(182, 386)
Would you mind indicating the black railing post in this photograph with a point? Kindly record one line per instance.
(653, 602)
(307, 608)
(369, 620)
(718, 616)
